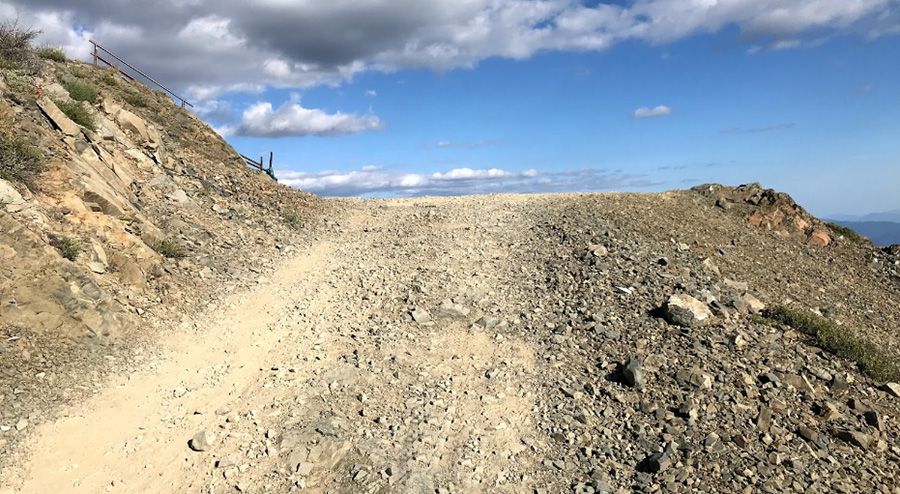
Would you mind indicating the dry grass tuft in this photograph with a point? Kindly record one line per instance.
(842, 341)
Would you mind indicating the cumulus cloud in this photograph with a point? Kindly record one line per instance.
(464, 144)
(211, 44)
(292, 119)
(657, 111)
(376, 181)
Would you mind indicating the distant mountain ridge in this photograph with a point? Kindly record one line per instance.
(881, 233)
(892, 216)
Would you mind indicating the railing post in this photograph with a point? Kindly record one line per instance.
(95, 53)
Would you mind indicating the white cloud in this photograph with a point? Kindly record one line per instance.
(377, 181)
(658, 111)
(785, 44)
(371, 93)
(235, 43)
(446, 144)
(292, 119)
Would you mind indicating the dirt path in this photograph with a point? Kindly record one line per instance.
(321, 379)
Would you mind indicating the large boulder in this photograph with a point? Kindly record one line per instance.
(58, 118)
(133, 124)
(8, 194)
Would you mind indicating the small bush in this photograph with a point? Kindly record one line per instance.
(137, 100)
(293, 219)
(54, 53)
(19, 159)
(77, 112)
(843, 342)
(15, 47)
(68, 247)
(110, 79)
(848, 233)
(81, 90)
(170, 248)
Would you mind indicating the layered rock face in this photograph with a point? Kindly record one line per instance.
(147, 174)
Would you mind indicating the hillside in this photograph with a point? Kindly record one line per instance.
(175, 322)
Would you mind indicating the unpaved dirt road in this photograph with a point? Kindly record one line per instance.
(477, 344)
(321, 379)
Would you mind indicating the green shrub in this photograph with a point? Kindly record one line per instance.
(848, 233)
(110, 79)
(77, 112)
(170, 248)
(137, 100)
(54, 53)
(80, 90)
(68, 247)
(15, 47)
(293, 219)
(871, 358)
(19, 159)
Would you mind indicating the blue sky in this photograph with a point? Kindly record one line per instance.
(532, 96)
(818, 121)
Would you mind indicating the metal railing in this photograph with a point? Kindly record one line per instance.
(98, 57)
(259, 165)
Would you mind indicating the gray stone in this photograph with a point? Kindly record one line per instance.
(203, 441)
(452, 310)
(8, 194)
(656, 463)
(420, 315)
(858, 439)
(633, 374)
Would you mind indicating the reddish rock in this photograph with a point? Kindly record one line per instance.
(756, 218)
(819, 238)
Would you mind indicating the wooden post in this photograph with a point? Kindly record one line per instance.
(95, 53)
(271, 156)
(261, 163)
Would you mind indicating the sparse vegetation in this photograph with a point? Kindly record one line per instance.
(53, 53)
(848, 233)
(80, 90)
(137, 100)
(292, 219)
(68, 247)
(19, 159)
(77, 112)
(842, 341)
(170, 248)
(110, 79)
(16, 51)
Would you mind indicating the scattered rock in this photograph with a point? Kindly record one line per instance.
(892, 389)
(203, 441)
(858, 439)
(685, 310)
(633, 373)
(450, 309)
(656, 463)
(420, 315)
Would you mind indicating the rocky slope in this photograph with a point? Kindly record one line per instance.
(117, 228)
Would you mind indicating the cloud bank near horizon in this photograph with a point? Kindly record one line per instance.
(380, 182)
